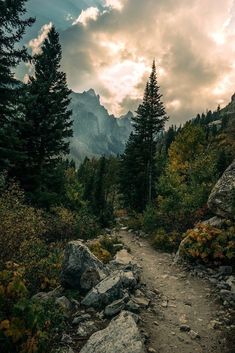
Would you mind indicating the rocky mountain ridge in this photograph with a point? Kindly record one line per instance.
(96, 132)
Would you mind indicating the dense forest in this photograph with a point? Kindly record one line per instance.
(159, 186)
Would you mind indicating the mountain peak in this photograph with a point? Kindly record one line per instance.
(91, 92)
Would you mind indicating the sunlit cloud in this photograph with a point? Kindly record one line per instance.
(122, 79)
(193, 42)
(116, 4)
(90, 14)
(35, 44)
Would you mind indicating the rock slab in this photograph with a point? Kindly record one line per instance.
(81, 269)
(222, 198)
(110, 289)
(121, 335)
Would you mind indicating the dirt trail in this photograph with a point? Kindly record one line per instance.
(182, 300)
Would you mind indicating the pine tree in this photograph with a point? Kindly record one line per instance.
(138, 161)
(47, 124)
(12, 29)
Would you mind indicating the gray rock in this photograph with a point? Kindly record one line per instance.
(225, 270)
(193, 334)
(231, 283)
(221, 199)
(216, 222)
(142, 302)
(86, 328)
(110, 289)
(114, 308)
(64, 304)
(118, 247)
(123, 258)
(133, 307)
(81, 269)
(66, 339)
(227, 295)
(44, 296)
(121, 335)
(78, 319)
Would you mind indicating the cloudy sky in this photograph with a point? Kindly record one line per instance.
(109, 45)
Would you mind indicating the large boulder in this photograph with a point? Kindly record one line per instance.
(81, 269)
(112, 288)
(122, 335)
(222, 198)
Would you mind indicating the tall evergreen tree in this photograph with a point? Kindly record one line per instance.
(47, 124)
(12, 29)
(138, 161)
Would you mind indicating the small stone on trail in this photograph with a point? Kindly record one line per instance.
(164, 304)
(193, 334)
(151, 350)
(185, 328)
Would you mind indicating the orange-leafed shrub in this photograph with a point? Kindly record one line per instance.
(209, 244)
(26, 325)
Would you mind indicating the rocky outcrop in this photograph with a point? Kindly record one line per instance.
(110, 289)
(222, 198)
(81, 269)
(121, 335)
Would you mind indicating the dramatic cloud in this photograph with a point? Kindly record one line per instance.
(110, 45)
(35, 44)
(86, 15)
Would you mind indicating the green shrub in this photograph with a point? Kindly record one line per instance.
(61, 224)
(134, 221)
(150, 220)
(101, 253)
(166, 242)
(26, 325)
(18, 222)
(86, 224)
(42, 264)
(209, 244)
(108, 242)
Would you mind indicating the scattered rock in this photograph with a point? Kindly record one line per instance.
(225, 270)
(231, 283)
(215, 324)
(164, 304)
(77, 320)
(151, 350)
(81, 269)
(133, 307)
(185, 328)
(193, 334)
(64, 304)
(86, 328)
(67, 339)
(118, 247)
(44, 296)
(110, 289)
(216, 222)
(123, 258)
(142, 302)
(221, 198)
(121, 335)
(114, 308)
(227, 296)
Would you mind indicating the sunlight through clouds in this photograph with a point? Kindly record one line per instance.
(87, 15)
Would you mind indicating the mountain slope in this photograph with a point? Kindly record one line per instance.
(96, 132)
